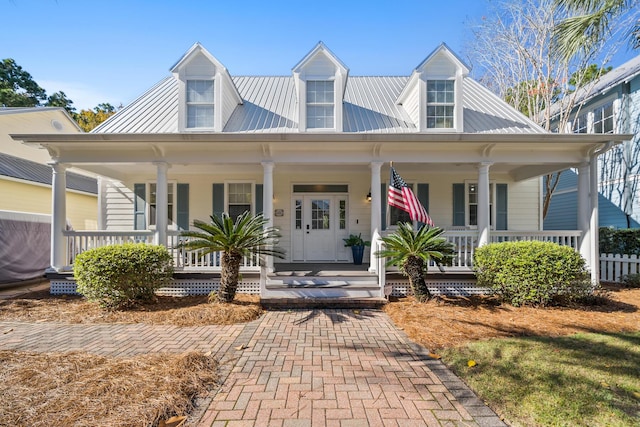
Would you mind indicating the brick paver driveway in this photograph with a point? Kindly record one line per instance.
(342, 368)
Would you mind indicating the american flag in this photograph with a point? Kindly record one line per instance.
(401, 196)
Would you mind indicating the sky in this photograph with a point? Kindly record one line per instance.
(113, 51)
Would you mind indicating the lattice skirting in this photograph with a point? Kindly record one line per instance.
(179, 288)
(401, 288)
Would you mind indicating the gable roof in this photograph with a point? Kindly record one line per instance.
(15, 167)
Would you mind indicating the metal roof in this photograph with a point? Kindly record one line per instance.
(270, 106)
(15, 167)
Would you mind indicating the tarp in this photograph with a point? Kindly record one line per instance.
(25, 245)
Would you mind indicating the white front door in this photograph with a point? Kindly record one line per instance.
(319, 227)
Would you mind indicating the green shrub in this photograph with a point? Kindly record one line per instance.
(118, 276)
(619, 241)
(631, 280)
(532, 273)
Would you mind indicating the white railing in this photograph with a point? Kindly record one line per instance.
(465, 244)
(613, 267)
(80, 241)
(562, 237)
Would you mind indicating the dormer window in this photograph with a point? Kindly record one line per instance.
(440, 104)
(320, 104)
(200, 103)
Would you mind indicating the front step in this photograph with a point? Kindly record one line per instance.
(276, 303)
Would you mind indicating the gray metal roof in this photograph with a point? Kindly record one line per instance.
(15, 167)
(270, 106)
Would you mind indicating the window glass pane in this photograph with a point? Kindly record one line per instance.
(320, 104)
(236, 210)
(153, 202)
(343, 214)
(320, 217)
(603, 119)
(397, 215)
(200, 116)
(239, 197)
(298, 214)
(200, 91)
(441, 102)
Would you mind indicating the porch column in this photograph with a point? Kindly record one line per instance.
(162, 198)
(484, 220)
(594, 223)
(58, 215)
(584, 210)
(267, 201)
(376, 215)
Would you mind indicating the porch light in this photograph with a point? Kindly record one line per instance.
(369, 196)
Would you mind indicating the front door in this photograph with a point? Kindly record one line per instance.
(319, 226)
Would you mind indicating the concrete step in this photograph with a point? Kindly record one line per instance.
(279, 303)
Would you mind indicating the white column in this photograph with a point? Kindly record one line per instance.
(102, 220)
(376, 215)
(58, 215)
(484, 223)
(267, 201)
(594, 263)
(584, 210)
(162, 198)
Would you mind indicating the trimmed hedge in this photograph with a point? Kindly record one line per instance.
(532, 273)
(118, 276)
(620, 241)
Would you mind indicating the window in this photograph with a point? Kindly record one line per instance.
(472, 204)
(603, 119)
(171, 202)
(200, 104)
(440, 103)
(580, 124)
(320, 105)
(240, 197)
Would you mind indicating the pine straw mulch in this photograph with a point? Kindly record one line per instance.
(449, 322)
(79, 389)
(178, 311)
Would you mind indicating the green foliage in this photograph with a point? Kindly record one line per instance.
(356, 240)
(59, 99)
(532, 273)
(620, 241)
(89, 119)
(631, 280)
(411, 251)
(17, 87)
(244, 237)
(118, 276)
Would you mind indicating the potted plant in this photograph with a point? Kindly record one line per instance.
(357, 245)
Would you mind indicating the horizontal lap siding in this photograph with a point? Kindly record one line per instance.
(524, 205)
(118, 202)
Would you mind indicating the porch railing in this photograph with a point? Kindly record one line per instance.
(80, 241)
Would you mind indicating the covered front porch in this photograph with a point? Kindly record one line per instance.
(479, 188)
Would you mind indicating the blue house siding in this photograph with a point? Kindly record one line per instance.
(563, 210)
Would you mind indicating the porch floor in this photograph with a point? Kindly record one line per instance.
(320, 269)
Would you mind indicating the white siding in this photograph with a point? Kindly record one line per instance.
(524, 205)
(440, 66)
(320, 66)
(412, 105)
(118, 202)
(199, 66)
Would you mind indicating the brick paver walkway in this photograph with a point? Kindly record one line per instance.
(292, 368)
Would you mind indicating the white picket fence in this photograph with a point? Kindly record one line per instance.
(613, 267)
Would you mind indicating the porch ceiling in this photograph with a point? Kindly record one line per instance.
(522, 156)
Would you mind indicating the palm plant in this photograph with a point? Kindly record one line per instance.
(411, 251)
(246, 236)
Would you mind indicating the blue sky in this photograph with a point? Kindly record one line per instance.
(112, 51)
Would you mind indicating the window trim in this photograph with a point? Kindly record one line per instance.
(187, 103)
(452, 104)
(332, 104)
(172, 223)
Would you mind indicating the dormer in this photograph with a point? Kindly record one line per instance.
(433, 94)
(320, 79)
(207, 95)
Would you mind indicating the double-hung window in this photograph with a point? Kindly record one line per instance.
(472, 204)
(603, 119)
(580, 124)
(240, 197)
(171, 202)
(440, 104)
(320, 104)
(200, 103)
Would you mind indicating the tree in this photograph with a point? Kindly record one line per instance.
(518, 61)
(89, 119)
(411, 251)
(17, 87)
(59, 99)
(591, 22)
(246, 236)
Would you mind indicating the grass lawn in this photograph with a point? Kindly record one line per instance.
(586, 379)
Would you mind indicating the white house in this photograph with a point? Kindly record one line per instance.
(312, 149)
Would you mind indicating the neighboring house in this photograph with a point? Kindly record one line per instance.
(609, 105)
(25, 186)
(25, 177)
(308, 148)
